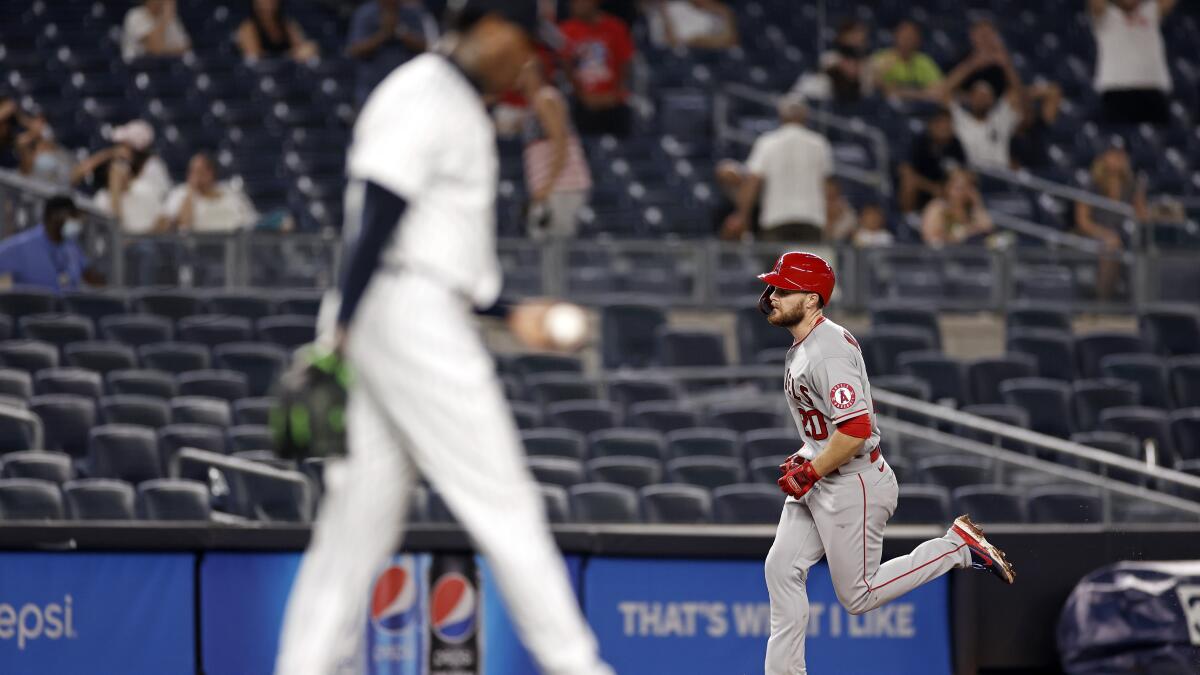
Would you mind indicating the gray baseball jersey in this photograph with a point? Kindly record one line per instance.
(826, 385)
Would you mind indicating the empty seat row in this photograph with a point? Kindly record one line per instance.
(17, 387)
(286, 330)
(653, 444)
(1004, 504)
(174, 304)
(587, 416)
(103, 499)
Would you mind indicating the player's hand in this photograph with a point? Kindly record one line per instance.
(791, 462)
(798, 481)
(549, 324)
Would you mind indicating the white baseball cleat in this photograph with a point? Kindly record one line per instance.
(984, 556)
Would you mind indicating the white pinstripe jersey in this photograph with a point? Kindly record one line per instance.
(425, 135)
(826, 383)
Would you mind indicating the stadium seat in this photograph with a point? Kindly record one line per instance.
(306, 303)
(1184, 373)
(561, 471)
(289, 331)
(747, 504)
(1185, 431)
(57, 329)
(776, 444)
(172, 304)
(137, 330)
(1111, 441)
(19, 430)
(604, 503)
(557, 503)
(95, 305)
(740, 417)
(281, 496)
(6, 328)
(885, 345)
(175, 357)
(756, 335)
(437, 511)
(922, 504)
(690, 348)
(920, 317)
(66, 421)
(126, 452)
(248, 304)
(628, 334)
(664, 416)
(904, 385)
(1064, 504)
(314, 468)
(253, 410)
(989, 503)
(677, 504)
(1046, 401)
(527, 365)
(251, 437)
(214, 329)
(1092, 397)
(985, 375)
(99, 499)
(22, 301)
(1052, 350)
(1171, 330)
(582, 416)
(30, 499)
(702, 441)
(706, 471)
(1091, 348)
(227, 385)
(265, 457)
(1147, 371)
(943, 375)
(15, 383)
(552, 442)
(953, 472)
(175, 437)
(1144, 424)
(40, 464)
(527, 415)
(174, 499)
(557, 387)
(261, 363)
(1037, 317)
(147, 411)
(627, 442)
(69, 381)
(201, 410)
(102, 357)
(28, 355)
(626, 392)
(629, 470)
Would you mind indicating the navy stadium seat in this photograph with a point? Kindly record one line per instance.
(172, 304)
(604, 503)
(747, 504)
(1091, 348)
(706, 471)
(953, 472)
(677, 504)
(662, 416)
(175, 357)
(1185, 431)
(69, 381)
(28, 355)
(289, 331)
(57, 329)
(919, 317)
(740, 417)
(155, 383)
(1184, 373)
(943, 374)
(886, 344)
(985, 375)
(201, 410)
(1171, 330)
(694, 348)
(253, 410)
(30, 499)
(135, 409)
(102, 357)
(629, 470)
(631, 390)
(227, 385)
(561, 471)
(52, 466)
(627, 442)
(95, 305)
(126, 452)
(174, 499)
(25, 300)
(924, 504)
(552, 442)
(582, 416)
(214, 329)
(250, 437)
(755, 335)
(1037, 317)
(765, 470)
(557, 503)
(702, 441)
(1064, 504)
(66, 421)
(989, 503)
(175, 437)
(526, 415)
(137, 330)
(1053, 350)
(527, 365)
(99, 499)
(557, 387)
(1145, 424)
(1046, 401)
(1147, 371)
(248, 304)
(260, 362)
(1092, 397)
(15, 383)
(772, 443)
(629, 334)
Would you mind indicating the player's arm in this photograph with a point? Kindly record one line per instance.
(381, 213)
(847, 441)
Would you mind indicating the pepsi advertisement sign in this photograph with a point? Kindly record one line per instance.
(396, 643)
(242, 600)
(103, 613)
(698, 616)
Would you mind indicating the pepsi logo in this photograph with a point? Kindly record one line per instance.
(452, 606)
(394, 600)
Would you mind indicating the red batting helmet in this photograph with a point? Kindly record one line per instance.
(799, 271)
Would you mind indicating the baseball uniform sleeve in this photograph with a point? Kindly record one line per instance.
(401, 153)
(838, 389)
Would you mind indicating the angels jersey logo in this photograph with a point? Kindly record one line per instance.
(842, 396)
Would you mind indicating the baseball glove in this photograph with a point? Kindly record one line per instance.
(309, 419)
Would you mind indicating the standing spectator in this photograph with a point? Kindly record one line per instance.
(1112, 178)
(983, 62)
(958, 217)
(10, 116)
(695, 24)
(599, 52)
(153, 29)
(788, 169)
(49, 255)
(556, 170)
(133, 181)
(39, 156)
(204, 205)
(931, 158)
(872, 228)
(383, 35)
(840, 218)
(1131, 60)
(845, 74)
(984, 126)
(270, 33)
(904, 71)
(1029, 145)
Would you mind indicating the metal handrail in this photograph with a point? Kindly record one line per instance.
(1029, 181)
(1047, 234)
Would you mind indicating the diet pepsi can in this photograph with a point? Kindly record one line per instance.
(396, 643)
(454, 616)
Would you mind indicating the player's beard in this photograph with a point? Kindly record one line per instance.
(787, 319)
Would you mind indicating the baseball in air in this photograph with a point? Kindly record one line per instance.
(566, 325)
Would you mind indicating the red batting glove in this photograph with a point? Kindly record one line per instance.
(791, 462)
(799, 480)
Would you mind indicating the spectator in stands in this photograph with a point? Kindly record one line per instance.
(49, 255)
(1112, 178)
(959, 216)
(204, 205)
(904, 71)
(40, 157)
(1031, 141)
(270, 33)
(788, 168)
(983, 63)
(153, 29)
(133, 181)
(931, 157)
(872, 228)
(383, 35)
(695, 24)
(984, 126)
(845, 74)
(1131, 60)
(556, 169)
(599, 52)
(840, 218)
(10, 116)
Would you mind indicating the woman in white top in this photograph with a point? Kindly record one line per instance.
(133, 181)
(204, 205)
(1131, 60)
(556, 171)
(153, 29)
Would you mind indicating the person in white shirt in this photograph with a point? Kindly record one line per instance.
(984, 126)
(204, 205)
(788, 168)
(1131, 60)
(133, 181)
(153, 29)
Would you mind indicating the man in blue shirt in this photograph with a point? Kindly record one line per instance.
(49, 255)
(384, 34)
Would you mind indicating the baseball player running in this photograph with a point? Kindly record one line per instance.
(840, 490)
(425, 397)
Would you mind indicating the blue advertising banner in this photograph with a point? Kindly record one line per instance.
(242, 598)
(700, 617)
(102, 613)
(503, 653)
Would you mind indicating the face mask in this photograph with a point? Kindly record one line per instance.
(49, 166)
(72, 229)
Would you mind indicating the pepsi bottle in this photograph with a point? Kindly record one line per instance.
(454, 616)
(395, 632)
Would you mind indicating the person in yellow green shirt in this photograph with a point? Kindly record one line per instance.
(904, 71)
